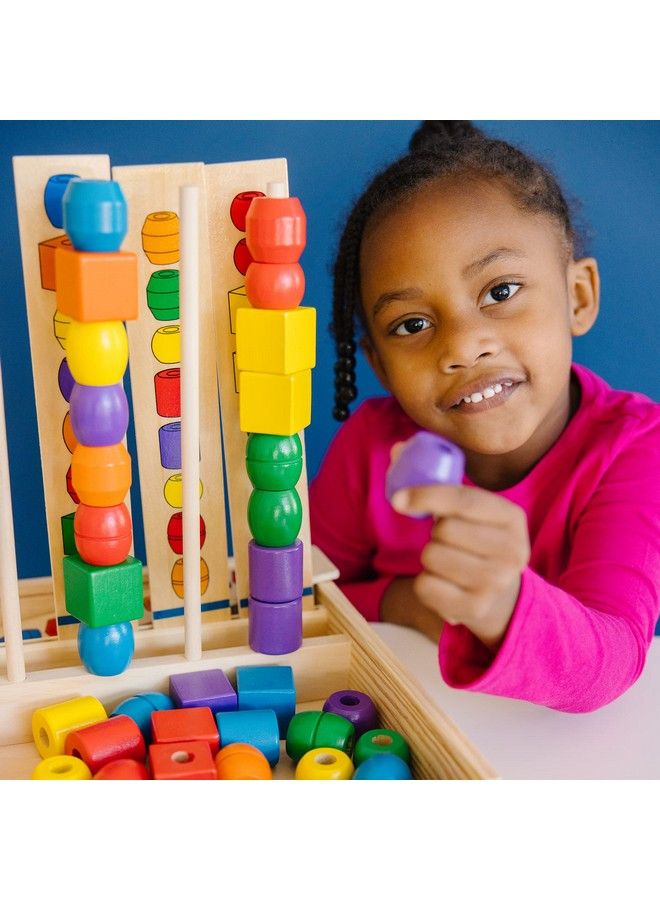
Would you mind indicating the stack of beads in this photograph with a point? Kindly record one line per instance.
(97, 288)
(275, 353)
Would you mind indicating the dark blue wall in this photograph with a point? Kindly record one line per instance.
(613, 167)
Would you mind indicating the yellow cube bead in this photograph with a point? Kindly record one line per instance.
(325, 764)
(275, 404)
(51, 724)
(62, 768)
(97, 352)
(278, 341)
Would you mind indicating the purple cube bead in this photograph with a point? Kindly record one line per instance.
(425, 459)
(276, 573)
(209, 688)
(355, 706)
(169, 440)
(99, 415)
(274, 628)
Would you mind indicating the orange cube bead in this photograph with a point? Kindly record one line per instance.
(101, 476)
(194, 723)
(183, 760)
(47, 250)
(116, 738)
(242, 762)
(96, 287)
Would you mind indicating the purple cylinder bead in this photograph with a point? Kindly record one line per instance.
(424, 459)
(99, 415)
(169, 440)
(355, 706)
(274, 628)
(65, 379)
(276, 573)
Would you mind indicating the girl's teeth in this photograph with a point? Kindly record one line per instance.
(498, 388)
(489, 392)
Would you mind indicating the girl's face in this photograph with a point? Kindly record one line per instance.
(466, 295)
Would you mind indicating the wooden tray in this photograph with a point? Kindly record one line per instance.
(339, 650)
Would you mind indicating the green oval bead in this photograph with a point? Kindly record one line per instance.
(274, 517)
(315, 728)
(380, 740)
(274, 462)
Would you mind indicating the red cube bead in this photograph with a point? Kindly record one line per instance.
(182, 760)
(195, 723)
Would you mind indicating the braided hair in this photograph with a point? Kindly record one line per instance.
(436, 150)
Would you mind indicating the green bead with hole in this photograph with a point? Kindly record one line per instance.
(380, 740)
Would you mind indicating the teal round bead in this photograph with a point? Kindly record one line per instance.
(274, 517)
(380, 740)
(314, 728)
(383, 767)
(274, 462)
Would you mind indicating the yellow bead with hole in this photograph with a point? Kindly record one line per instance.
(52, 724)
(62, 768)
(97, 352)
(174, 490)
(325, 764)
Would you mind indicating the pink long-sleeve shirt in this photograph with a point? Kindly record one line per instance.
(590, 596)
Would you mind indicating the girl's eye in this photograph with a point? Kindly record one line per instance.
(412, 326)
(503, 291)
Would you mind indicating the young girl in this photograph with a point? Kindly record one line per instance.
(540, 574)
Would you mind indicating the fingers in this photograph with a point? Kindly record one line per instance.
(479, 540)
(470, 503)
(460, 567)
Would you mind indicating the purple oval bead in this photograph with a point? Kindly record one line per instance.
(65, 380)
(425, 458)
(99, 415)
(355, 706)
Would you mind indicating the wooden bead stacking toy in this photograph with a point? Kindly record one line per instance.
(96, 288)
(275, 353)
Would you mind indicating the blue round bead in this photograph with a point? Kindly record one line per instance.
(53, 193)
(95, 215)
(383, 767)
(106, 650)
(140, 707)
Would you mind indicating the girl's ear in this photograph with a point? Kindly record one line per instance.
(374, 361)
(584, 289)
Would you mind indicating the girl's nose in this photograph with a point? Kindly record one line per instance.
(463, 344)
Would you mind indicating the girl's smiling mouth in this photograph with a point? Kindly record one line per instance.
(495, 394)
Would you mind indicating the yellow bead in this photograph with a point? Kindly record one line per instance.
(174, 490)
(325, 764)
(97, 352)
(51, 724)
(279, 341)
(61, 324)
(166, 344)
(275, 404)
(62, 768)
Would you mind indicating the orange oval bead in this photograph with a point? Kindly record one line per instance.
(276, 229)
(101, 475)
(242, 762)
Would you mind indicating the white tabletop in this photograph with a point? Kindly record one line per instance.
(521, 740)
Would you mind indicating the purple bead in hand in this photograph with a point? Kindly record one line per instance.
(424, 459)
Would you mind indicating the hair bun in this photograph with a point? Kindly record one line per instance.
(438, 135)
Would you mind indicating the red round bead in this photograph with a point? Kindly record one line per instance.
(242, 257)
(275, 286)
(276, 229)
(175, 532)
(240, 205)
(103, 534)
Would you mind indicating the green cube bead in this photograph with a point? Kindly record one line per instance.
(380, 740)
(68, 538)
(274, 462)
(103, 595)
(274, 517)
(313, 728)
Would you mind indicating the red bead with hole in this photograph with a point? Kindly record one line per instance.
(183, 760)
(194, 723)
(167, 384)
(97, 745)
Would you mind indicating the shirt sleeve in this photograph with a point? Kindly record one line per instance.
(338, 500)
(580, 644)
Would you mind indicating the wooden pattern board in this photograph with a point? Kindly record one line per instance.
(223, 182)
(47, 331)
(155, 347)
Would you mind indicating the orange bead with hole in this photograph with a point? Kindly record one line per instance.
(101, 476)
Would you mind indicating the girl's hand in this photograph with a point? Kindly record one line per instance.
(472, 565)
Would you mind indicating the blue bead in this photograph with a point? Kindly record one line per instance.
(383, 767)
(95, 215)
(268, 687)
(106, 650)
(53, 193)
(140, 707)
(255, 726)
